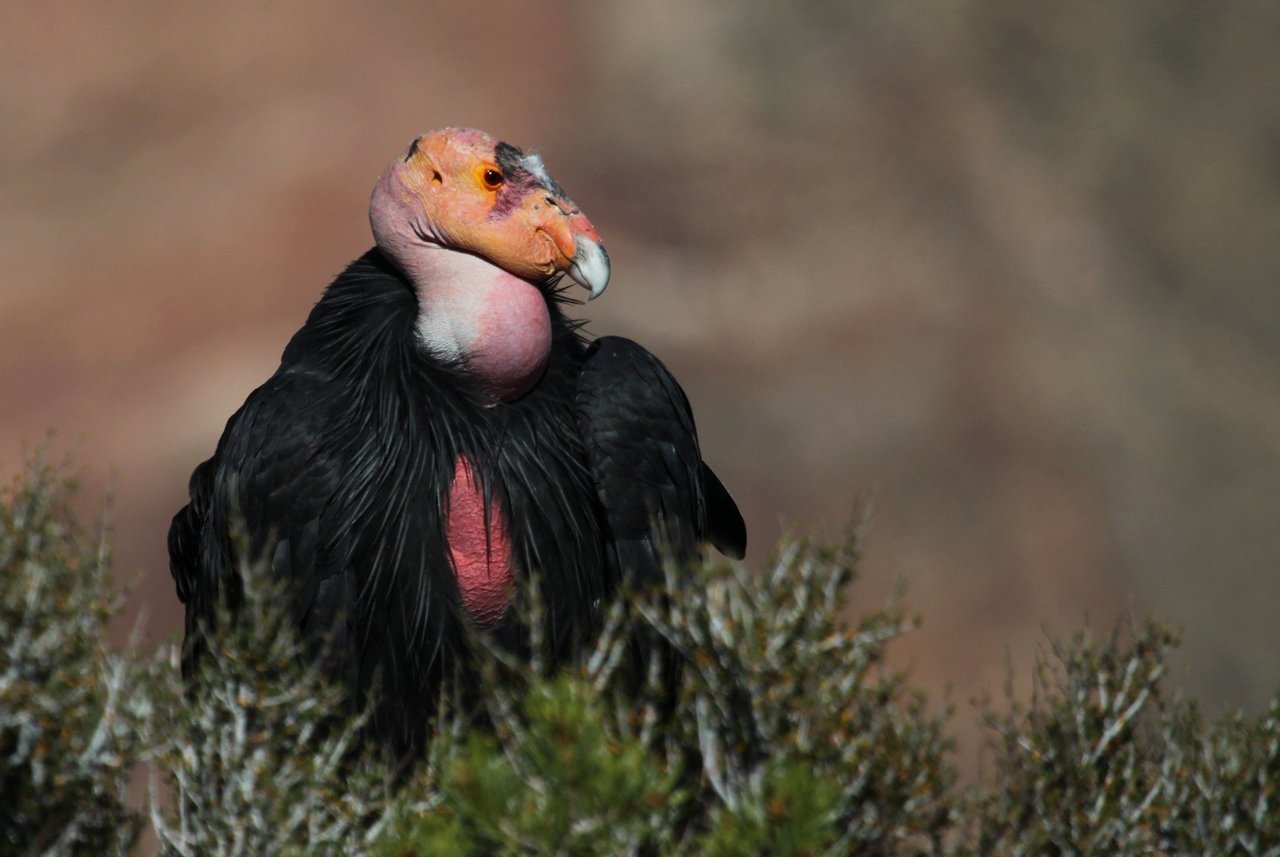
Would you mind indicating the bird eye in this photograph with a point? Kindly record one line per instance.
(493, 179)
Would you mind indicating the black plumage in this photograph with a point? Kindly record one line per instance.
(339, 469)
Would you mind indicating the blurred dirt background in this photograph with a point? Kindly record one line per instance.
(1010, 267)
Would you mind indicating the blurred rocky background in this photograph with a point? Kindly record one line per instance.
(1009, 270)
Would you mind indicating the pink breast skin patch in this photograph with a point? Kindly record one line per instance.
(481, 554)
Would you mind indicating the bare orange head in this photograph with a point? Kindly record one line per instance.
(463, 189)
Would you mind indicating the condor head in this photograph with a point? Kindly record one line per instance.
(465, 190)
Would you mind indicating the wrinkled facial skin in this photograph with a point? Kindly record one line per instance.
(463, 189)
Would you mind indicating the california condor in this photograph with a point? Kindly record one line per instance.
(438, 430)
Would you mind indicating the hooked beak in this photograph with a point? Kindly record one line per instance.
(575, 244)
(589, 266)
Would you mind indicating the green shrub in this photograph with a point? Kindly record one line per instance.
(777, 733)
(724, 713)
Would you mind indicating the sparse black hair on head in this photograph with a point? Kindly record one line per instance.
(413, 149)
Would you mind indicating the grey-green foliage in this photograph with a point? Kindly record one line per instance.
(779, 691)
(1223, 783)
(725, 713)
(1102, 762)
(260, 755)
(69, 719)
(778, 733)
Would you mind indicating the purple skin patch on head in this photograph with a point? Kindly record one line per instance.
(520, 181)
(512, 193)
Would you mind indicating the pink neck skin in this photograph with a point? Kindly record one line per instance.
(480, 549)
(496, 324)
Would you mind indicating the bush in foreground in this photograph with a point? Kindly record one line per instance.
(1102, 762)
(727, 713)
(784, 734)
(260, 755)
(70, 723)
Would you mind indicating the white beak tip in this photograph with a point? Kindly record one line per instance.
(590, 266)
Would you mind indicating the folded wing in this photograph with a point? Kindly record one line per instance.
(658, 497)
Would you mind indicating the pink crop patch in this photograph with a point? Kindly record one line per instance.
(481, 554)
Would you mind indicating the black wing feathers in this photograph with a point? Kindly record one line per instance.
(642, 447)
(725, 528)
(264, 496)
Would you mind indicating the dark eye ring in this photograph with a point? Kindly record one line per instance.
(493, 179)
